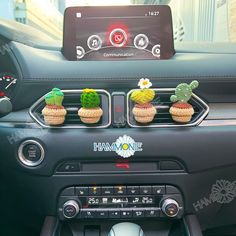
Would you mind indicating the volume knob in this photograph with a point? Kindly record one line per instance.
(71, 209)
(170, 207)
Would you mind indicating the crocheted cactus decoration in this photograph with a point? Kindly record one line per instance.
(144, 94)
(55, 97)
(183, 92)
(90, 98)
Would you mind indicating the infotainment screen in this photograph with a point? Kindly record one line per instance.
(118, 33)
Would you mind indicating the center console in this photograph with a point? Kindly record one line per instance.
(120, 202)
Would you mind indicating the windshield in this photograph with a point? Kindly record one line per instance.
(193, 20)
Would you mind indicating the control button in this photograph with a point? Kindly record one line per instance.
(105, 200)
(170, 207)
(107, 190)
(139, 213)
(68, 192)
(80, 52)
(145, 190)
(118, 37)
(118, 100)
(31, 153)
(148, 200)
(152, 213)
(93, 201)
(156, 51)
(141, 41)
(172, 190)
(94, 42)
(119, 200)
(114, 214)
(119, 190)
(170, 165)
(102, 214)
(70, 209)
(88, 214)
(135, 200)
(158, 190)
(126, 213)
(81, 191)
(133, 190)
(69, 167)
(94, 191)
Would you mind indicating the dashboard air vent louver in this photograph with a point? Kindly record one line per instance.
(72, 104)
(163, 118)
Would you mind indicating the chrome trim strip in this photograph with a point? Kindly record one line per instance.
(24, 160)
(212, 123)
(166, 126)
(73, 126)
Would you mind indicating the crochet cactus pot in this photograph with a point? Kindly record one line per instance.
(90, 112)
(181, 111)
(54, 113)
(143, 111)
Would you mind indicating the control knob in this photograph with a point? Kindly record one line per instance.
(71, 209)
(170, 207)
(5, 106)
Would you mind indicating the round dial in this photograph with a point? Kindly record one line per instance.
(7, 84)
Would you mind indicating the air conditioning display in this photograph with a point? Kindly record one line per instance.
(118, 33)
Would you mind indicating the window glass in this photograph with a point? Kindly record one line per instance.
(193, 20)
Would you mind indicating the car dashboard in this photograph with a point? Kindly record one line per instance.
(189, 166)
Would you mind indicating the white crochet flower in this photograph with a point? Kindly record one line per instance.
(144, 83)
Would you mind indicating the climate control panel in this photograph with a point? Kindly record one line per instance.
(120, 202)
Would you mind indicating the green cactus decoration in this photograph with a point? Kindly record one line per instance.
(55, 97)
(49, 99)
(183, 92)
(59, 96)
(90, 98)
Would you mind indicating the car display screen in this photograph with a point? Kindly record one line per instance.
(118, 33)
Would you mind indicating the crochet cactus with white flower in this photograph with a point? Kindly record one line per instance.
(144, 94)
(143, 110)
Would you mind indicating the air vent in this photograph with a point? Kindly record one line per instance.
(72, 104)
(163, 104)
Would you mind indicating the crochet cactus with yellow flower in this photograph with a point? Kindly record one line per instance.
(90, 112)
(143, 111)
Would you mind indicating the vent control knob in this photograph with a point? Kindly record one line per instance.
(170, 207)
(71, 209)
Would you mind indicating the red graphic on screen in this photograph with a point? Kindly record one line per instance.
(117, 34)
(118, 38)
